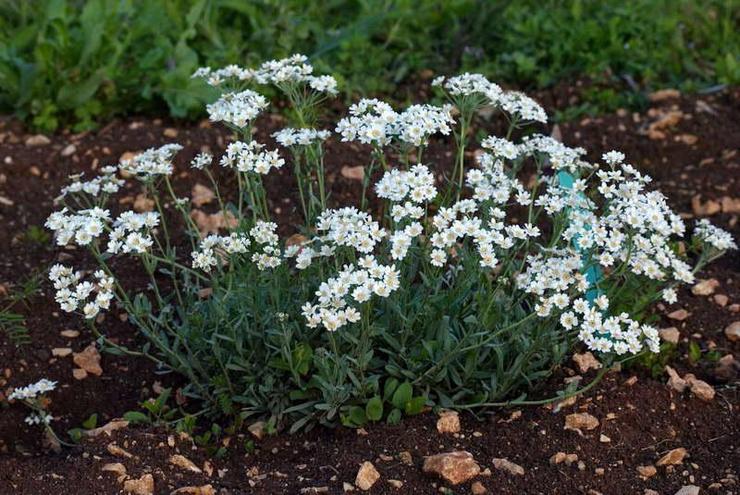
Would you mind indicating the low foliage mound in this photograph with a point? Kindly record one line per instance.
(463, 292)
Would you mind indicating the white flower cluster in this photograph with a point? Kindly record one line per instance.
(219, 76)
(205, 258)
(132, 232)
(636, 227)
(453, 224)
(408, 189)
(522, 106)
(249, 157)
(475, 85)
(215, 248)
(719, 239)
(351, 228)
(237, 109)
(416, 184)
(72, 293)
(107, 182)
(558, 283)
(372, 121)
(559, 156)
(304, 253)
(152, 162)
(490, 182)
(299, 137)
(353, 284)
(201, 161)
(501, 147)
(469, 85)
(41, 417)
(294, 69)
(33, 390)
(82, 227)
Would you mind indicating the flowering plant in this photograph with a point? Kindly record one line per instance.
(459, 293)
(34, 398)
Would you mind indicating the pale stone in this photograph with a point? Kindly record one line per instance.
(448, 422)
(454, 467)
(580, 421)
(141, 486)
(367, 475)
(508, 466)
(586, 361)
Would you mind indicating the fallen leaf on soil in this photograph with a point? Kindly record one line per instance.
(688, 139)
(668, 119)
(508, 466)
(705, 287)
(68, 150)
(580, 421)
(142, 486)
(732, 332)
(183, 462)
(89, 360)
(37, 140)
(730, 205)
(79, 374)
(646, 471)
(212, 223)
(678, 315)
(257, 429)
(454, 467)
(700, 388)
(477, 488)
(664, 94)
(353, 173)
(195, 490)
(586, 361)
(721, 299)
(673, 457)
(700, 209)
(201, 195)
(116, 468)
(142, 203)
(118, 451)
(107, 428)
(367, 475)
(448, 422)
(675, 381)
(670, 334)
(295, 240)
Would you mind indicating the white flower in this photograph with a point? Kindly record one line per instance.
(201, 161)
(670, 296)
(249, 157)
(299, 137)
(152, 162)
(719, 239)
(33, 390)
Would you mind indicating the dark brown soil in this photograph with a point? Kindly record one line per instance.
(648, 419)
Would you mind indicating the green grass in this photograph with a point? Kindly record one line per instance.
(77, 63)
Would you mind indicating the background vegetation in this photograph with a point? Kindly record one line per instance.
(79, 62)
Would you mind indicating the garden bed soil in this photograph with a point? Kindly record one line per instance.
(691, 152)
